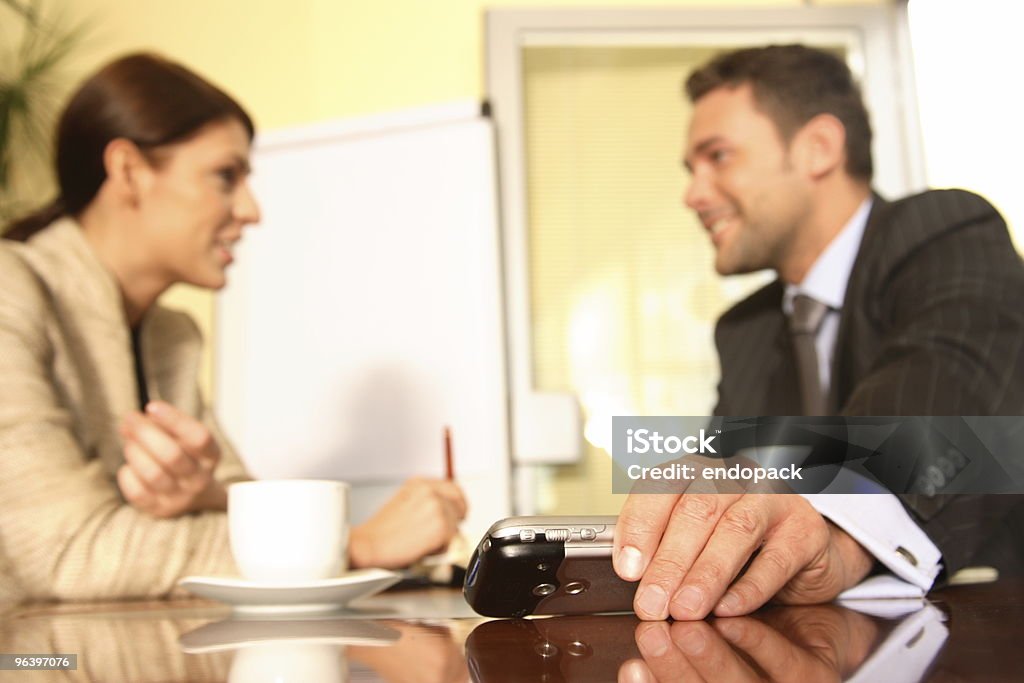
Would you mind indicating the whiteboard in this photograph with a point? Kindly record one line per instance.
(364, 313)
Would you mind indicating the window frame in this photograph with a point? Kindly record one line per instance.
(877, 40)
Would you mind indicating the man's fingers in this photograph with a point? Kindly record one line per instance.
(738, 532)
(780, 560)
(796, 535)
(691, 523)
(638, 532)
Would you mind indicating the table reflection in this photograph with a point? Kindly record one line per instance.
(153, 641)
(966, 633)
(813, 643)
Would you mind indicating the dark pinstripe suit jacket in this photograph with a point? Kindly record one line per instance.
(932, 324)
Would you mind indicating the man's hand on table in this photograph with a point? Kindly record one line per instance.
(417, 521)
(687, 550)
(169, 462)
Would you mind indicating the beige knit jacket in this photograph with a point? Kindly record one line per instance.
(67, 378)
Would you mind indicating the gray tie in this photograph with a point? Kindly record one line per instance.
(804, 324)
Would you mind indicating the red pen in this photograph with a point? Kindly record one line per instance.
(449, 469)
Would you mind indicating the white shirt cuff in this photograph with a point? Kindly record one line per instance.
(879, 522)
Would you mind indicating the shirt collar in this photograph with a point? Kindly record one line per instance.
(827, 279)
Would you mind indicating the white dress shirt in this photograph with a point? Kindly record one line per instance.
(877, 521)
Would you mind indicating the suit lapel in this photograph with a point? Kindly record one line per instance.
(92, 312)
(758, 370)
(845, 365)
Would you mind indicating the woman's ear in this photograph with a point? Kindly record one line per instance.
(822, 145)
(128, 171)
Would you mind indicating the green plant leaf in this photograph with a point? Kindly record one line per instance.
(30, 93)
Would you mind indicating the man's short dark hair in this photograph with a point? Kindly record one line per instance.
(792, 84)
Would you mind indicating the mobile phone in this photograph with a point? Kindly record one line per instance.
(547, 565)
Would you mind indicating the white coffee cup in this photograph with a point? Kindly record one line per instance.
(289, 530)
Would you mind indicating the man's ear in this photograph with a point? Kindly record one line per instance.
(820, 146)
(128, 171)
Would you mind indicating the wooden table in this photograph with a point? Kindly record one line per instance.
(965, 633)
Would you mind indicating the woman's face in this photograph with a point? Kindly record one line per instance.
(195, 202)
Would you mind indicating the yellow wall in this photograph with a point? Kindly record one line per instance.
(305, 60)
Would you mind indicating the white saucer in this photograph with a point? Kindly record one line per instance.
(324, 595)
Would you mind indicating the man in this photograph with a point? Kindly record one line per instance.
(904, 308)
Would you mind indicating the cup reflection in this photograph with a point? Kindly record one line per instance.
(331, 649)
(286, 650)
(285, 662)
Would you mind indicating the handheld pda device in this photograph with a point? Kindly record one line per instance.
(547, 565)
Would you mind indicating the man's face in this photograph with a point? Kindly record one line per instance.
(744, 188)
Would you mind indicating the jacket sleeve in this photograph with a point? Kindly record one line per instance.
(65, 532)
(951, 314)
(954, 345)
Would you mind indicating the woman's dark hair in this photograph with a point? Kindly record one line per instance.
(140, 97)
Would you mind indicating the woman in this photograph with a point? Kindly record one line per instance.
(112, 471)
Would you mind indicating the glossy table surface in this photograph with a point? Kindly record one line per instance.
(963, 633)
